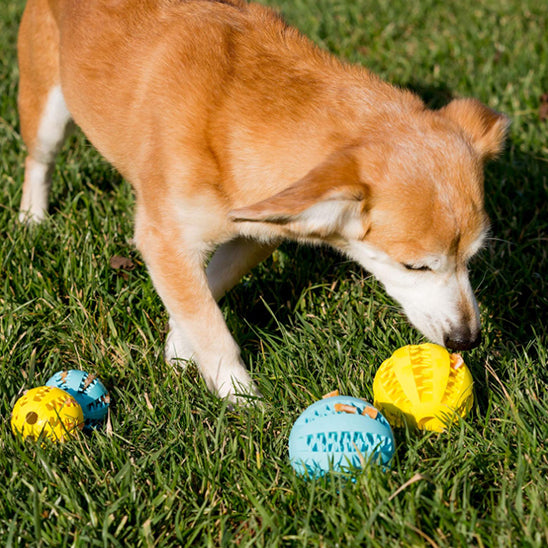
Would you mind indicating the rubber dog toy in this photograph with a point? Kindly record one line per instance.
(87, 390)
(339, 433)
(423, 386)
(47, 412)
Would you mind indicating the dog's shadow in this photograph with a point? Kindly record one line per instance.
(434, 96)
(267, 297)
(512, 271)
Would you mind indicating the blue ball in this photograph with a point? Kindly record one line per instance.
(324, 439)
(87, 390)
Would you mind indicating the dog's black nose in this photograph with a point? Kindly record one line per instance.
(462, 340)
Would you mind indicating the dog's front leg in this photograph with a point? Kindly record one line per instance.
(198, 329)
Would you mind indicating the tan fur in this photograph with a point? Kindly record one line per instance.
(236, 131)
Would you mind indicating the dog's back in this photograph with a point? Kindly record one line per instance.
(208, 69)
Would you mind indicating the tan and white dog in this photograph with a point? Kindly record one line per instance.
(237, 132)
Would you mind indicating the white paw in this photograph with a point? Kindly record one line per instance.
(32, 216)
(235, 384)
(178, 350)
(221, 368)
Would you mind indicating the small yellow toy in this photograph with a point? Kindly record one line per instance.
(423, 386)
(47, 412)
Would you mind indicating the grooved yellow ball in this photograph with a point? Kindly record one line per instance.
(423, 386)
(47, 412)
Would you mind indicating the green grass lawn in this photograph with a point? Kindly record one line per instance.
(178, 468)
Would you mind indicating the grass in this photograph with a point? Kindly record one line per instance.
(179, 468)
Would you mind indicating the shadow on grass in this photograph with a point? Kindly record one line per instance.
(434, 96)
(515, 264)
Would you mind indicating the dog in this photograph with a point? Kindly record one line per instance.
(237, 132)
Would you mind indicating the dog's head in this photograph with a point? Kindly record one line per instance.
(407, 204)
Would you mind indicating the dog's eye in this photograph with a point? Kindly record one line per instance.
(422, 268)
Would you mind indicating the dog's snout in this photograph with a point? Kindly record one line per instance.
(462, 340)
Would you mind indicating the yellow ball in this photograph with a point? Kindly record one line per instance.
(423, 386)
(47, 412)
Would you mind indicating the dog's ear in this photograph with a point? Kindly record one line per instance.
(329, 199)
(485, 127)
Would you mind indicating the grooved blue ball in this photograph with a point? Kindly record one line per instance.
(87, 390)
(323, 439)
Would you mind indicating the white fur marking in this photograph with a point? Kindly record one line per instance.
(53, 127)
(52, 131)
(34, 202)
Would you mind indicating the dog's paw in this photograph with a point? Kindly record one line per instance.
(238, 388)
(32, 216)
(223, 371)
(178, 351)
